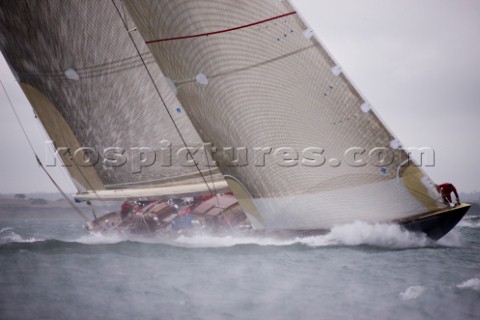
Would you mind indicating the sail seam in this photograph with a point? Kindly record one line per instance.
(230, 72)
(221, 31)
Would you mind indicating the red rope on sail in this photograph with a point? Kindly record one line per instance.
(221, 31)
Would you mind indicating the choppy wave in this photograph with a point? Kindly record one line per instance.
(381, 235)
(470, 222)
(111, 238)
(353, 234)
(451, 239)
(473, 284)
(412, 293)
(9, 235)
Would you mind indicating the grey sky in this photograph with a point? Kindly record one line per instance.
(19, 171)
(417, 62)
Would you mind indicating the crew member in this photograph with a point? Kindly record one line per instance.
(445, 189)
(183, 220)
(125, 209)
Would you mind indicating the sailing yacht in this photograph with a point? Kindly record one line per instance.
(156, 99)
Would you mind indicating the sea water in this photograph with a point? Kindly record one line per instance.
(51, 269)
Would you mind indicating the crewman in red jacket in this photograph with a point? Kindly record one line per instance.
(445, 189)
(125, 209)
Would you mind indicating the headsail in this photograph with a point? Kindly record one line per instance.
(250, 74)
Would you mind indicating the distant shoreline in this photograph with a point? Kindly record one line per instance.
(24, 209)
(12, 213)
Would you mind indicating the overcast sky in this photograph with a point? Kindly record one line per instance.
(416, 61)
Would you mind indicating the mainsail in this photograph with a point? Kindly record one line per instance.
(89, 87)
(253, 80)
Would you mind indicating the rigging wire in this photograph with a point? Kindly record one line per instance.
(161, 98)
(74, 165)
(91, 206)
(70, 202)
(212, 192)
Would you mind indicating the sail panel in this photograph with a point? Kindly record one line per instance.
(79, 57)
(84, 177)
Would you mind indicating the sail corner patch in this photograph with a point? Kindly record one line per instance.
(395, 144)
(172, 85)
(202, 79)
(308, 33)
(71, 74)
(337, 70)
(365, 107)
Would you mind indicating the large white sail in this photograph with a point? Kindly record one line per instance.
(250, 74)
(82, 73)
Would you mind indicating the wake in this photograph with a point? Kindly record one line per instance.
(8, 235)
(472, 221)
(352, 234)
